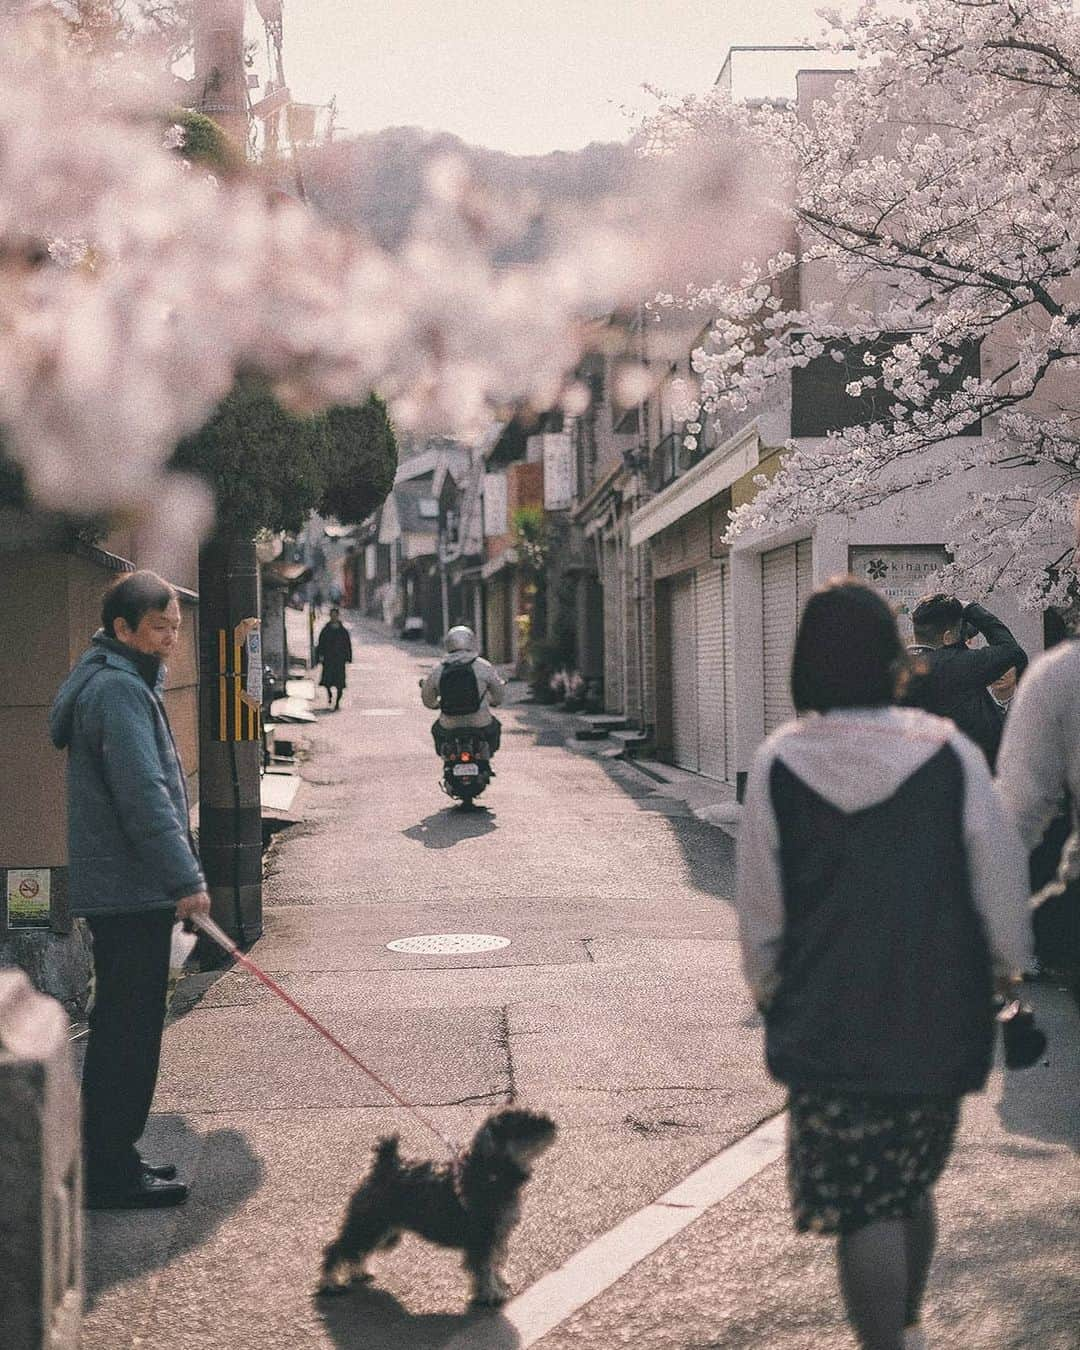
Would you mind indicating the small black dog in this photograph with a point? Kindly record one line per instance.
(471, 1203)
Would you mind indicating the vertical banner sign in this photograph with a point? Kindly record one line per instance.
(496, 520)
(239, 683)
(253, 686)
(558, 471)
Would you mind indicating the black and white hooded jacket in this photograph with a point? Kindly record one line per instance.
(880, 886)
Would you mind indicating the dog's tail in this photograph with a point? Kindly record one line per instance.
(386, 1156)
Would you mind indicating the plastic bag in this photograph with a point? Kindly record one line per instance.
(183, 944)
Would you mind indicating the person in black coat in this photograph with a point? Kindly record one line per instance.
(333, 652)
(950, 679)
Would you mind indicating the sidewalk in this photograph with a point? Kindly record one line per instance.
(618, 1006)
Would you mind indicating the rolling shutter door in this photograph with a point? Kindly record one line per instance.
(786, 583)
(778, 602)
(729, 676)
(684, 694)
(709, 606)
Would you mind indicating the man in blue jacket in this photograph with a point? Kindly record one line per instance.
(132, 872)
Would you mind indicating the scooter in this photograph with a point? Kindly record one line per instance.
(466, 766)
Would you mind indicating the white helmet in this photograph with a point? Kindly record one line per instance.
(461, 639)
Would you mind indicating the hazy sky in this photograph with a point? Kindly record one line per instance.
(520, 75)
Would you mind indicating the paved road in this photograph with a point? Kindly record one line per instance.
(617, 1006)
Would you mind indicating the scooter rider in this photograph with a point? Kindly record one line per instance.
(464, 687)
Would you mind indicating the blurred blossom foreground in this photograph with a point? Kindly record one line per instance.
(134, 287)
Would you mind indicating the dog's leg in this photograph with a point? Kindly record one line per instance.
(489, 1288)
(345, 1259)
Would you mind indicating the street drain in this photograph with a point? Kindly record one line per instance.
(437, 944)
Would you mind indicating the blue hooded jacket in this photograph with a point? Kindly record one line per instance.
(129, 846)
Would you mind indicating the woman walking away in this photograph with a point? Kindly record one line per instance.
(881, 892)
(333, 652)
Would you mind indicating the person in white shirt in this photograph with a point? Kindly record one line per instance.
(464, 687)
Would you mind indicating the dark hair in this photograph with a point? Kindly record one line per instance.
(935, 614)
(132, 596)
(848, 652)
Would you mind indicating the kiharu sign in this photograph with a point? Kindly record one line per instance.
(903, 573)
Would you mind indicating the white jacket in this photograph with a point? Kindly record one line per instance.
(489, 685)
(1040, 751)
(856, 758)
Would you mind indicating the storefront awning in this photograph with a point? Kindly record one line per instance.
(698, 485)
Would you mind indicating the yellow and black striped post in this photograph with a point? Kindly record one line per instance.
(239, 717)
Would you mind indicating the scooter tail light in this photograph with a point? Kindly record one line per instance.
(465, 757)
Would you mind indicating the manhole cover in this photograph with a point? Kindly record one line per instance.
(455, 943)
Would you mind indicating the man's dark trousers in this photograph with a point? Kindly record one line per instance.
(131, 972)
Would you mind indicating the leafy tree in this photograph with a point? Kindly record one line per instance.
(205, 143)
(269, 469)
(264, 466)
(938, 185)
(361, 461)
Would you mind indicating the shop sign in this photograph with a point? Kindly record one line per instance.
(903, 573)
(28, 897)
(558, 471)
(495, 512)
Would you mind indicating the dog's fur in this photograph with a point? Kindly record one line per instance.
(471, 1203)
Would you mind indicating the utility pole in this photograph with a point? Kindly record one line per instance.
(230, 810)
(220, 77)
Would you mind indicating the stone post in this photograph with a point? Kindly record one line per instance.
(41, 1280)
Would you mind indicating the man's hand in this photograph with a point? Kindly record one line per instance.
(190, 905)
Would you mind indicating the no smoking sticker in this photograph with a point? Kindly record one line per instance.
(28, 897)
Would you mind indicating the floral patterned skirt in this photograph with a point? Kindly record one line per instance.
(854, 1159)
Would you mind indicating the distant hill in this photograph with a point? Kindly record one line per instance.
(375, 183)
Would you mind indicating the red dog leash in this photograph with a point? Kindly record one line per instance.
(210, 928)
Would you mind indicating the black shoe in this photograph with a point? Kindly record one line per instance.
(164, 1171)
(145, 1192)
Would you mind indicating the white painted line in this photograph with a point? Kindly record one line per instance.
(382, 712)
(559, 1294)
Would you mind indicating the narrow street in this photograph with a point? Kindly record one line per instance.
(617, 1006)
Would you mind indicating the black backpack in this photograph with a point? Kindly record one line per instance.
(459, 689)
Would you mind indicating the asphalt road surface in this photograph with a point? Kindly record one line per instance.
(617, 1006)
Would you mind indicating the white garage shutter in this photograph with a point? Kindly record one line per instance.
(709, 603)
(684, 693)
(779, 611)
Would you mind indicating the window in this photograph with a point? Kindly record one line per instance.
(820, 402)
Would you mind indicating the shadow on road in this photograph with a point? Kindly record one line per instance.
(450, 826)
(1043, 1102)
(124, 1245)
(366, 1317)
